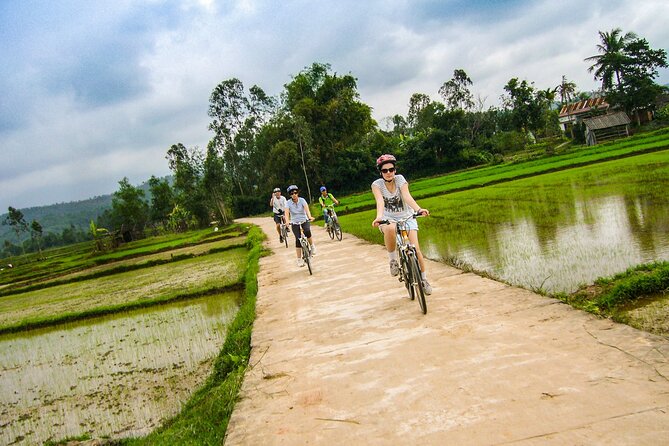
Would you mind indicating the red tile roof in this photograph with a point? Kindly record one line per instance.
(576, 108)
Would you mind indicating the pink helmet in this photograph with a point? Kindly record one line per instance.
(386, 158)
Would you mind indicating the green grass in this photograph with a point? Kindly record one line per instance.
(613, 296)
(489, 175)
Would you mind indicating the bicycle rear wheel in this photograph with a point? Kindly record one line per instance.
(336, 229)
(417, 282)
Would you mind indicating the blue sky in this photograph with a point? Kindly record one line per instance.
(92, 92)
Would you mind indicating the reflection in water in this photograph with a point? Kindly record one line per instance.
(118, 376)
(557, 231)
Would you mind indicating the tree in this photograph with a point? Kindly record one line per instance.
(18, 224)
(36, 235)
(456, 92)
(637, 89)
(611, 60)
(129, 208)
(329, 106)
(566, 90)
(237, 117)
(188, 168)
(162, 199)
(418, 102)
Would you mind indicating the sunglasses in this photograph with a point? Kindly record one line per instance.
(294, 192)
(390, 169)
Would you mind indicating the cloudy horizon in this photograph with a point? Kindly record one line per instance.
(96, 91)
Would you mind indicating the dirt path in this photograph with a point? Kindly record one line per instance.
(342, 358)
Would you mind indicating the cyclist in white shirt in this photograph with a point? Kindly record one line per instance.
(393, 202)
(278, 204)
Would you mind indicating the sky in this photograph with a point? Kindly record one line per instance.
(95, 91)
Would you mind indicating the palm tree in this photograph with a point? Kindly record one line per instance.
(611, 58)
(566, 90)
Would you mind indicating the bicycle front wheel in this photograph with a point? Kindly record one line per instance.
(405, 274)
(306, 255)
(330, 229)
(284, 231)
(336, 229)
(417, 282)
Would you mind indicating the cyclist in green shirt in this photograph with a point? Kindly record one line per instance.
(326, 199)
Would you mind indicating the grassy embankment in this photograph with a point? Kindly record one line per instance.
(638, 297)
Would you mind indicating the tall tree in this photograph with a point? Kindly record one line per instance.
(418, 102)
(17, 222)
(188, 167)
(129, 208)
(610, 61)
(333, 114)
(36, 235)
(456, 92)
(566, 90)
(236, 119)
(162, 199)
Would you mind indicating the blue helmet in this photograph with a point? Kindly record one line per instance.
(323, 188)
(291, 188)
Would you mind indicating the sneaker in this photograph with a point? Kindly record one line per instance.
(300, 262)
(427, 288)
(394, 268)
(313, 250)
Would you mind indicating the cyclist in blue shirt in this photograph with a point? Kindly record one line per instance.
(299, 215)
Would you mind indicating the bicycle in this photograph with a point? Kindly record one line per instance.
(332, 225)
(306, 250)
(284, 231)
(410, 272)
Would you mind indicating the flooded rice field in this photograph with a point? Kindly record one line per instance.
(555, 232)
(115, 376)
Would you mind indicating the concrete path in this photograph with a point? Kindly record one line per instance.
(343, 358)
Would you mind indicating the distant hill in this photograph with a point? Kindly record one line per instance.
(56, 217)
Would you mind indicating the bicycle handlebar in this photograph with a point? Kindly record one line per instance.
(414, 215)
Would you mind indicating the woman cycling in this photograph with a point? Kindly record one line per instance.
(393, 202)
(299, 215)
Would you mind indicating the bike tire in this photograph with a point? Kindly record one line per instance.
(284, 231)
(405, 274)
(306, 255)
(331, 232)
(337, 230)
(417, 283)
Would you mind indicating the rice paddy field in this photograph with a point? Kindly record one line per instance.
(114, 344)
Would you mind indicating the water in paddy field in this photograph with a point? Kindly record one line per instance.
(114, 376)
(560, 230)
